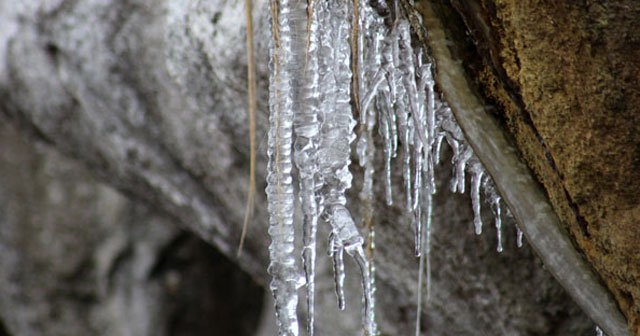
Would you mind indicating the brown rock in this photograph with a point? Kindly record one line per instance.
(564, 75)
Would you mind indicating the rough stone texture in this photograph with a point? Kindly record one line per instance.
(149, 96)
(564, 76)
(78, 258)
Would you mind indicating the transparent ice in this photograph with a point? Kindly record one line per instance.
(282, 102)
(307, 123)
(314, 81)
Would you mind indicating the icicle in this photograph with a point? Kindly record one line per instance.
(389, 91)
(406, 173)
(498, 218)
(519, 235)
(337, 253)
(427, 83)
(345, 237)
(307, 128)
(408, 66)
(368, 287)
(376, 74)
(427, 119)
(437, 147)
(282, 267)
(378, 79)
(416, 123)
(477, 172)
(384, 104)
(422, 143)
(425, 257)
(417, 196)
(385, 130)
(461, 151)
(494, 200)
(455, 147)
(417, 224)
(310, 97)
(369, 87)
(334, 156)
(359, 17)
(388, 94)
(464, 154)
(418, 159)
(461, 154)
(373, 69)
(399, 97)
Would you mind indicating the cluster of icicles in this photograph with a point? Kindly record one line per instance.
(328, 59)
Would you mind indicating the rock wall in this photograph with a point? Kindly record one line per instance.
(149, 97)
(563, 76)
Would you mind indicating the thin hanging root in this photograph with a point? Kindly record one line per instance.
(370, 225)
(419, 300)
(355, 62)
(253, 106)
(309, 23)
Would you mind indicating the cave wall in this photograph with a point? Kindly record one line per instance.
(149, 97)
(563, 77)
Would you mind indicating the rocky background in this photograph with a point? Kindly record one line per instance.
(123, 173)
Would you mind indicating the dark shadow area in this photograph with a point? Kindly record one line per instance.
(3, 329)
(228, 301)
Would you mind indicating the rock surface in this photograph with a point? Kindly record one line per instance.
(149, 97)
(564, 77)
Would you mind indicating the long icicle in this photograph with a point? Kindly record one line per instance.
(424, 120)
(285, 275)
(307, 129)
(425, 254)
(339, 135)
(334, 154)
(371, 77)
(400, 105)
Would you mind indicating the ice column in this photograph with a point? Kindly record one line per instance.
(307, 129)
(284, 70)
(334, 150)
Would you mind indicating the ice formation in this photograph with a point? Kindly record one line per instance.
(282, 101)
(331, 60)
(307, 123)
